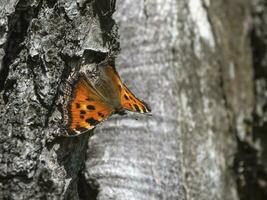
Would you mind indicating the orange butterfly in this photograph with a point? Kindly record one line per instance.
(91, 103)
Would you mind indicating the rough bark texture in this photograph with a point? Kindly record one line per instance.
(40, 45)
(189, 59)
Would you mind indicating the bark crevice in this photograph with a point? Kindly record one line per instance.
(251, 160)
(87, 189)
(18, 23)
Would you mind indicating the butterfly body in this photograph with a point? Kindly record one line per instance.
(92, 102)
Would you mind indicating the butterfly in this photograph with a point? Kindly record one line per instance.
(91, 103)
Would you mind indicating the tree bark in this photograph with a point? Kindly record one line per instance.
(41, 42)
(189, 60)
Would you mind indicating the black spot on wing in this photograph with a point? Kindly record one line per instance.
(120, 88)
(91, 107)
(143, 108)
(81, 116)
(137, 108)
(126, 97)
(78, 105)
(92, 121)
(82, 112)
(100, 114)
(148, 109)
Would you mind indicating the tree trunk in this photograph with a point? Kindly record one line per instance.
(189, 60)
(41, 42)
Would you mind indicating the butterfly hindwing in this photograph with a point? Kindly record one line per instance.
(87, 107)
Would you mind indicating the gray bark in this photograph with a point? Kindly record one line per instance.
(190, 60)
(41, 41)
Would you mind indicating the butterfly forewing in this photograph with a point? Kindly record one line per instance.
(127, 98)
(87, 107)
(132, 103)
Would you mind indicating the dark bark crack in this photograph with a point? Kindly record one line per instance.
(104, 11)
(250, 163)
(251, 174)
(31, 64)
(87, 191)
(18, 23)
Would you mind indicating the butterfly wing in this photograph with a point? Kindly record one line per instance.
(87, 108)
(127, 98)
(132, 103)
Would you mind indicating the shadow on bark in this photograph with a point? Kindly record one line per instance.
(87, 191)
(251, 159)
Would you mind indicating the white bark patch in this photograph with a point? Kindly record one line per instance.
(202, 25)
(71, 8)
(232, 70)
(241, 128)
